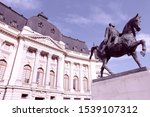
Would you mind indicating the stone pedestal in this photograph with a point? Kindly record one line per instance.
(129, 85)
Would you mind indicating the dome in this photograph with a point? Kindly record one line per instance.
(41, 25)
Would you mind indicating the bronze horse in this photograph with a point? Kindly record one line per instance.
(127, 44)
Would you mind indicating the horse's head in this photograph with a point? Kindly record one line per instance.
(133, 25)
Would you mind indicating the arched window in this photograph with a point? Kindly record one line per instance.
(3, 65)
(76, 83)
(26, 73)
(66, 82)
(85, 84)
(39, 77)
(52, 79)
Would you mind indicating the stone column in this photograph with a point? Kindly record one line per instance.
(71, 77)
(81, 78)
(60, 73)
(10, 60)
(16, 66)
(36, 64)
(89, 79)
(47, 78)
(20, 78)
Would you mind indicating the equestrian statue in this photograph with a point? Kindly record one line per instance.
(117, 44)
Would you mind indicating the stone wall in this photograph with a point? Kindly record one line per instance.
(130, 85)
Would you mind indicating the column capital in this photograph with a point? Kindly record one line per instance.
(54, 56)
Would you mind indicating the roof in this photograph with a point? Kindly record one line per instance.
(40, 24)
(75, 44)
(11, 17)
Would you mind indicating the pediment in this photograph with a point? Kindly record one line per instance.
(48, 41)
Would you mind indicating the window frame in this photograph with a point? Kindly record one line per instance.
(76, 83)
(40, 76)
(66, 83)
(26, 70)
(52, 79)
(85, 84)
(3, 66)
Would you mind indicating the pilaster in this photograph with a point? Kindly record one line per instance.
(60, 73)
(47, 79)
(16, 66)
(36, 64)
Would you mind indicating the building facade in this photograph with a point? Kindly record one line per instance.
(37, 62)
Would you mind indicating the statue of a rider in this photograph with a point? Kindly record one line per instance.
(110, 37)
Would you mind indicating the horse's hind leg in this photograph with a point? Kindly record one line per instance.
(92, 51)
(104, 66)
(108, 70)
(102, 69)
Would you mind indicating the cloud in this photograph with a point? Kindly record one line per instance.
(116, 8)
(77, 19)
(145, 37)
(62, 27)
(97, 15)
(93, 18)
(114, 15)
(25, 4)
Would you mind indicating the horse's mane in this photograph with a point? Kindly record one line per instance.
(128, 27)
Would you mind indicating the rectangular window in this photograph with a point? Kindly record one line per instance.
(39, 98)
(66, 98)
(77, 99)
(52, 98)
(24, 96)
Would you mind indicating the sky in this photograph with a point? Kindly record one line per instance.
(86, 20)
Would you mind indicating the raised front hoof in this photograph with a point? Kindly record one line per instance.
(142, 53)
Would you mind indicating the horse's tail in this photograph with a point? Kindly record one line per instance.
(92, 51)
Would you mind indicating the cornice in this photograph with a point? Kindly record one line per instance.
(8, 33)
(32, 38)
